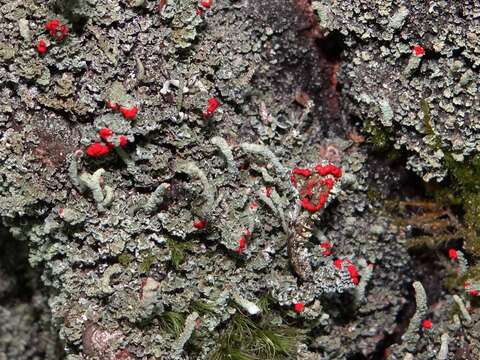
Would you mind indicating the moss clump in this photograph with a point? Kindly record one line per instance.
(465, 185)
(124, 260)
(172, 322)
(246, 339)
(380, 139)
(202, 308)
(465, 175)
(377, 136)
(146, 263)
(177, 251)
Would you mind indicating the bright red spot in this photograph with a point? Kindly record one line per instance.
(129, 113)
(52, 26)
(105, 133)
(298, 307)
(199, 224)
(418, 50)
(453, 254)
(302, 172)
(122, 140)
(327, 248)
(338, 263)
(329, 169)
(352, 270)
(42, 47)
(242, 243)
(427, 324)
(97, 150)
(57, 30)
(213, 104)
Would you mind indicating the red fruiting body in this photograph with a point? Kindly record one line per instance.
(427, 324)
(302, 172)
(199, 11)
(213, 104)
(452, 254)
(329, 169)
(307, 204)
(199, 224)
(122, 140)
(57, 30)
(52, 26)
(327, 248)
(418, 50)
(473, 292)
(129, 113)
(338, 263)
(97, 150)
(313, 181)
(206, 3)
(42, 47)
(352, 270)
(253, 205)
(242, 243)
(105, 133)
(298, 307)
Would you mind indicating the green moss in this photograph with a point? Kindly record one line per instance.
(377, 136)
(172, 322)
(264, 302)
(465, 185)
(202, 307)
(146, 263)
(247, 339)
(177, 251)
(124, 259)
(465, 175)
(380, 138)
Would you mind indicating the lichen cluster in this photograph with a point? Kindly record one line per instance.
(194, 239)
(385, 81)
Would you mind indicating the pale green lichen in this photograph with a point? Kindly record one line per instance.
(195, 172)
(225, 149)
(410, 337)
(186, 334)
(366, 275)
(463, 310)
(156, 198)
(443, 351)
(266, 154)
